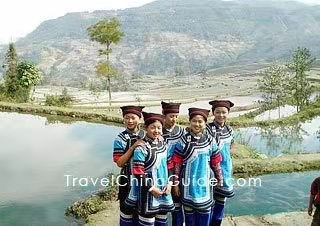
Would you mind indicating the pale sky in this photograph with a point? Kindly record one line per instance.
(20, 17)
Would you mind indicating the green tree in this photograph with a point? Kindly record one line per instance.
(11, 84)
(106, 32)
(274, 86)
(28, 77)
(300, 87)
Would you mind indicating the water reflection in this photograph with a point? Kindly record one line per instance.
(34, 157)
(288, 137)
(275, 140)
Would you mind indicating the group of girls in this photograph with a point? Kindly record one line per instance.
(169, 169)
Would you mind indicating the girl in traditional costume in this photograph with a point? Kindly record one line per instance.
(171, 133)
(123, 148)
(196, 162)
(152, 190)
(223, 134)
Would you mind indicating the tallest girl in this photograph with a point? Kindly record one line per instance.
(223, 134)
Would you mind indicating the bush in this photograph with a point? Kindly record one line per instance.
(95, 202)
(62, 100)
(21, 95)
(58, 100)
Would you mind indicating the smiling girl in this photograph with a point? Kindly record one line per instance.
(195, 154)
(152, 193)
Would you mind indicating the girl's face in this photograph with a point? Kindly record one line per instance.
(197, 124)
(221, 114)
(131, 121)
(171, 119)
(154, 130)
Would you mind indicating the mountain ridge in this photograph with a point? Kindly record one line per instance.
(164, 35)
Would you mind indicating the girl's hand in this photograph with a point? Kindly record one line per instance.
(167, 189)
(156, 192)
(176, 190)
(310, 211)
(138, 143)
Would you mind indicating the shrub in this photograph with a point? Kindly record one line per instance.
(62, 100)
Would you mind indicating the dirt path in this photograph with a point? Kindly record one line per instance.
(285, 219)
(110, 217)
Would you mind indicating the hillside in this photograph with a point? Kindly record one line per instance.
(167, 36)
